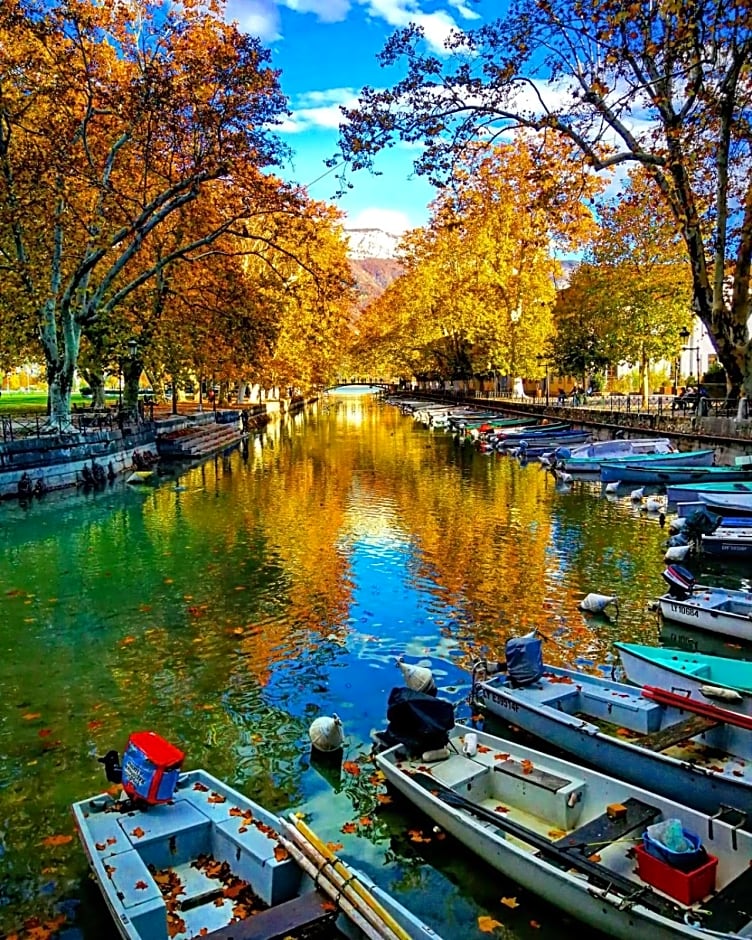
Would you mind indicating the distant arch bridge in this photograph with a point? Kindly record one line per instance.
(358, 386)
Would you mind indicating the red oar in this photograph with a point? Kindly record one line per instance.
(664, 697)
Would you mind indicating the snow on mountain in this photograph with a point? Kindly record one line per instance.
(371, 243)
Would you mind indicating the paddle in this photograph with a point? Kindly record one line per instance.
(557, 855)
(665, 697)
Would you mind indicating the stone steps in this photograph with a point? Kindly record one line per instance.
(197, 442)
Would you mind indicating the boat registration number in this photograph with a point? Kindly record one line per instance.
(499, 700)
(683, 609)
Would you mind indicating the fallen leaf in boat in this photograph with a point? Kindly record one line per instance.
(501, 809)
(349, 827)
(327, 905)
(501, 756)
(334, 846)
(594, 858)
(280, 853)
(57, 840)
(200, 787)
(510, 902)
(527, 766)
(216, 798)
(556, 833)
(383, 798)
(483, 749)
(31, 716)
(488, 924)
(737, 773)
(351, 767)
(100, 846)
(138, 832)
(141, 885)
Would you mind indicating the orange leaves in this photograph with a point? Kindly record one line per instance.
(527, 766)
(351, 767)
(55, 841)
(487, 924)
(216, 798)
(280, 853)
(510, 902)
(138, 832)
(348, 828)
(334, 846)
(141, 885)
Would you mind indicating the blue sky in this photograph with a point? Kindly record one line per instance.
(326, 51)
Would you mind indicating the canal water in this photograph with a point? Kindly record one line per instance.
(238, 600)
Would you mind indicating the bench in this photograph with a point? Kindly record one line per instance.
(539, 792)
(540, 778)
(303, 916)
(603, 829)
(661, 740)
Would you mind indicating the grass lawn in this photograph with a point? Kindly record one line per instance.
(32, 402)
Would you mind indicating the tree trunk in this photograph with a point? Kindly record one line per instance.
(645, 380)
(132, 369)
(95, 381)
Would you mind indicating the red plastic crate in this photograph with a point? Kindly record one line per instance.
(685, 886)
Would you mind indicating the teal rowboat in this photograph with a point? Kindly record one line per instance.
(702, 677)
(688, 492)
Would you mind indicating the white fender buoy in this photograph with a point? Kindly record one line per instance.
(677, 524)
(563, 476)
(597, 603)
(326, 733)
(654, 504)
(417, 678)
(636, 495)
(677, 553)
(723, 695)
(612, 487)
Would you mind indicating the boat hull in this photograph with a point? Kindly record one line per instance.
(693, 674)
(716, 611)
(640, 470)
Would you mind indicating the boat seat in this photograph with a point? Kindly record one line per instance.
(251, 854)
(691, 726)
(309, 915)
(557, 799)
(633, 711)
(603, 829)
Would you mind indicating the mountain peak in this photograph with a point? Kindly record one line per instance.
(371, 243)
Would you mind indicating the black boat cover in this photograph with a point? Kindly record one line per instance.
(417, 721)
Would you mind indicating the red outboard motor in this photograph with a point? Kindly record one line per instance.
(151, 767)
(681, 582)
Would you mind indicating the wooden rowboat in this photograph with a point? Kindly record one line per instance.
(575, 837)
(212, 863)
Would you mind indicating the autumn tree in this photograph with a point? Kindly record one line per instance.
(629, 300)
(114, 118)
(664, 85)
(482, 276)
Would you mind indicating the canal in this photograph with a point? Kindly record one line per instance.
(235, 602)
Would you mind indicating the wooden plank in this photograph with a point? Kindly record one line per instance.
(602, 830)
(531, 774)
(660, 740)
(308, 912)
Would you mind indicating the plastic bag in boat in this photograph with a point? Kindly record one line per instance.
(524, 656)
(418, 721)
(671, 843)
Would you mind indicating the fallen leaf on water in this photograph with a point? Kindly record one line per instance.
(350, 767)
(349, 827)
(31, 716)
(383, 798)
(126, 641)
(93, 725)
(510, 902)
(57, 840)
(488, 924)
(334, 846)
(366, 821)
(535, 924)
(44, 732)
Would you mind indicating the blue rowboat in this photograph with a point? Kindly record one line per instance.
(693, 458)
(696, 492)
(618, 729)
(213, 863)
(729, 541)
(665, 476)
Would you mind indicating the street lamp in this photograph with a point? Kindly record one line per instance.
(545, 360)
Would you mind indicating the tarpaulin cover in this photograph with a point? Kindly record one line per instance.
(418, 721)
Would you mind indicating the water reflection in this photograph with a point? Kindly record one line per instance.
(239, 600)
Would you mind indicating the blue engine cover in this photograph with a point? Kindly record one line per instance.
(524, 655)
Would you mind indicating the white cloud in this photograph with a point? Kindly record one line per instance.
(464, 10)
(319, 109)
(398, 13)
(255, 17)
(388, 220)
(328, 11)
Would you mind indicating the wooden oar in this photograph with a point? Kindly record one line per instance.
(307, 835)
(675, 699)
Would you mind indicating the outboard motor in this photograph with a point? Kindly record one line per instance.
(681, 582)
(524, 656)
